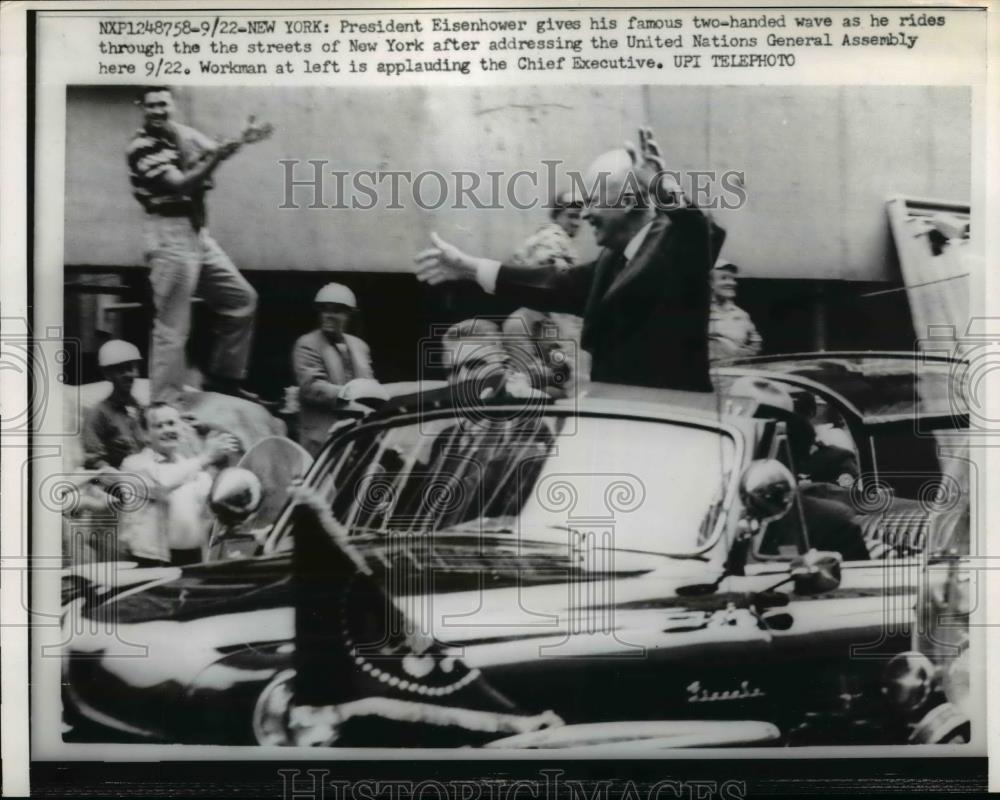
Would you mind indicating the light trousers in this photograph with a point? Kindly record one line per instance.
(183, 260)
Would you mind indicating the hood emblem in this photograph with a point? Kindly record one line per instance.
(699, 694)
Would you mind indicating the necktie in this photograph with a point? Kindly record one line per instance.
(346, 359)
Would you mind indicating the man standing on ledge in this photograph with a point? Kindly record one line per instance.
(644, 301)
(171, 167)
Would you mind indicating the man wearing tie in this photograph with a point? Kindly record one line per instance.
(325, 361)
(644, 300)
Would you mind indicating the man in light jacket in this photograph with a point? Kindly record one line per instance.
(325, 360)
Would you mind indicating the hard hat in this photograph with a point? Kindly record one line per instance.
(763, 392)
(366, 391)
(117, 351)
(236, 493)
(336, 293)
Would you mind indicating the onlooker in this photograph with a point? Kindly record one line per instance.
(731, 332)
(474, 352)
(552, 244)
(545, 350)
(833, 458)
(644, 301)
(171, 167)
(171, 526)
(478, 355)
(830, 519)
(112, 429)
(544, 344)
(478, 452)
(324, 361)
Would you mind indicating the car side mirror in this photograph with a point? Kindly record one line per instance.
(767, 489)
(816, 572)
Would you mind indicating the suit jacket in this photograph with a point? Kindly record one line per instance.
(831, 524)
(645, 324)
(321, 372)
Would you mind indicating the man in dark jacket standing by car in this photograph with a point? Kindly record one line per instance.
(644, 301)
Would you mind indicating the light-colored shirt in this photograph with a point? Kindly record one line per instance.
(636, 241)
(174, 513)
(731, 332)
(550, 245)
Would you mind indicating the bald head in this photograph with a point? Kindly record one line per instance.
(617, 198)
(614, 163)
(619, 170)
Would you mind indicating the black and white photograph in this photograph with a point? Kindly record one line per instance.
(586, 414)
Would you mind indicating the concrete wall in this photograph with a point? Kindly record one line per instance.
(819, 162)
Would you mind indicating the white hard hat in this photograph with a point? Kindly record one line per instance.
(365, 391)
(117, 351)
(336, 293)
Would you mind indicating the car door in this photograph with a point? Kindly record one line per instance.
(829, 648)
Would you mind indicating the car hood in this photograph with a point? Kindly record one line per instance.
(484, 590)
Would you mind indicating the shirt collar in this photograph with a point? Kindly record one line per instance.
(636, 241)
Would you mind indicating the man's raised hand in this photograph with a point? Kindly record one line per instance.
(219, 445)
(648, 152)
(444, 262)
(664, 188)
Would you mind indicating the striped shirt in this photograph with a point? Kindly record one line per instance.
(153, 155)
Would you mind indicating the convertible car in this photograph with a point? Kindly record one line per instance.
(632, 570)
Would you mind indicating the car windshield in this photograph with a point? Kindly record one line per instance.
(659, 486)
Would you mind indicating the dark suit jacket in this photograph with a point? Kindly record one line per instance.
(832, 526)
(647, 325)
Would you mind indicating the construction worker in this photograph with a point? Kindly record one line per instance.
(324, 361)
(171, 168)
(112, 429)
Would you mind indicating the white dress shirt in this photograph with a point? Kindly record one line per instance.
(175, 512)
